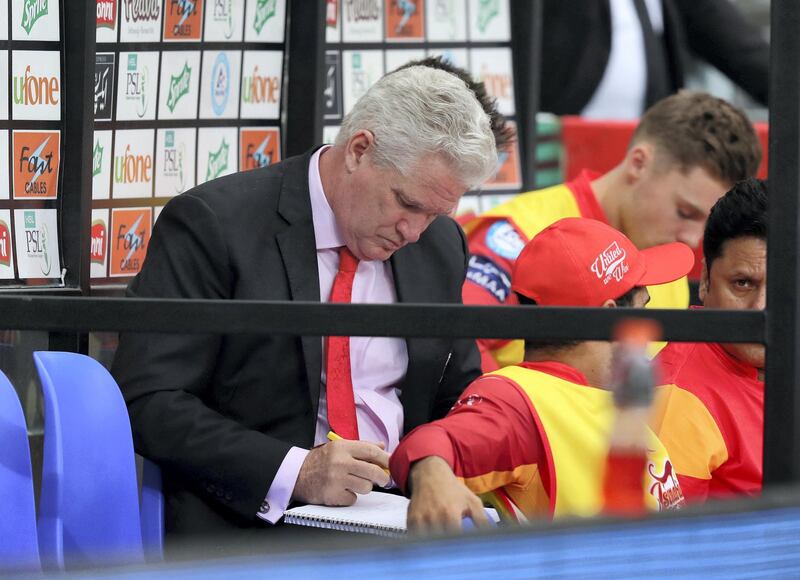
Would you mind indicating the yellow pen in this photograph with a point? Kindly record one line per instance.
(334, 437)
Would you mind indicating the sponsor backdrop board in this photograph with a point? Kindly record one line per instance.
(366, 38)
(185, 91)
(32, 118)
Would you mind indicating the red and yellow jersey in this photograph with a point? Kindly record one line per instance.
(709, 413)
(537, 433)
(497, 237)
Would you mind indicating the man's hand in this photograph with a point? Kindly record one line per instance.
(334, 473)
(439, 501)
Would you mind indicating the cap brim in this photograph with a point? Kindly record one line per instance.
(666, 263)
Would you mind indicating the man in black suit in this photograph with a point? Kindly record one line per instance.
(238, 423)
(577, 47)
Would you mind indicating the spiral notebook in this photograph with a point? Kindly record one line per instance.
(377, 513)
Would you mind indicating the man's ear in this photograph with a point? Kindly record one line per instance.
(639, 161)
(610, 303)
(705, 280)
(355, 149)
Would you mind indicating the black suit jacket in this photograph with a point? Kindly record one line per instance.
(219, 413)
(576, 42)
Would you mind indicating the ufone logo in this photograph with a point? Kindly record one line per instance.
(260, 89)
(30, 90)
(142, 10)
(132, 168)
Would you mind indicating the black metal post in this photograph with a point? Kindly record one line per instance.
(782, 404)
(76, 201)
(305, 74)
(526, 38)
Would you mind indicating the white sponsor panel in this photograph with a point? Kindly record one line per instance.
(333, 21)
(175, 162)
(6, 246)
(36, 241)
(219, 84)
(3, 20)
(156, 213)
(456, 56)
(34, 20)
(265, 21)
(36, 85)
(491, 201)
(98, 251)
(5, 186)
(262, 78)
(469, 205)
(489, 20)
(362, 69)
(102, 156)
(3, 84)
(399, 57)
(133, 168)
(137, 86)
(329, 133)
(492, 66)
(224, 20)
(446, 20)
(362, 20)
(180, 82)
(140, 20)
(217, 152)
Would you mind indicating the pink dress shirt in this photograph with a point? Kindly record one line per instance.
(377, 364)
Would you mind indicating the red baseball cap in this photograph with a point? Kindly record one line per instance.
(584, 262)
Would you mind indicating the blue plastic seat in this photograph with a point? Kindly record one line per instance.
(89, 505)
(18, 544)
(152, 512)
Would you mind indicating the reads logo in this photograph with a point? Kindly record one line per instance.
(36, 164)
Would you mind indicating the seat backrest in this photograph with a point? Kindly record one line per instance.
(152, 512)
(88, 508)
(18, 544)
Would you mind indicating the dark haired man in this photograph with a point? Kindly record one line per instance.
(535, 435)
(710, 409)
(687, 151)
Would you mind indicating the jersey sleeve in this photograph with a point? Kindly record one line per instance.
(692, 438)
(489, 438)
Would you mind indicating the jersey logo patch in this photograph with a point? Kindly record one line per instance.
(489, 276)
(504, 240)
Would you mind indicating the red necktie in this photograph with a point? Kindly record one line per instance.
(341, 403)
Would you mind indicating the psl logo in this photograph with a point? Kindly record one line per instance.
(142, 10)
(31, 90)
(223, 13)
(99, 243)
(487, 10)
(220, 84)
(106, 13)
(265, 9)
(97, 159)
(445, 12)
(362, 10)
(36, 170)
(173, 160)
(178, 86)
(5, 244)
(136, 84)
(259, 148)
(33, 10)
(260, 89)
(132, 168)
(217, 161)
(36, 242)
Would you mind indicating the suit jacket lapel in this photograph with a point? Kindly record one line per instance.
(298, 250)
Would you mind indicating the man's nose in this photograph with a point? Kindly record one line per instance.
(411, 227)
(760, 301)
(691, 235)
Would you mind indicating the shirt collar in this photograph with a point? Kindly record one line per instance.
(557, 369)
(326, 231)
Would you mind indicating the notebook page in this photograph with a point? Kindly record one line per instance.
(375, 510)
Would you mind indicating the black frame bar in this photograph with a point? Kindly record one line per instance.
(782, 404)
